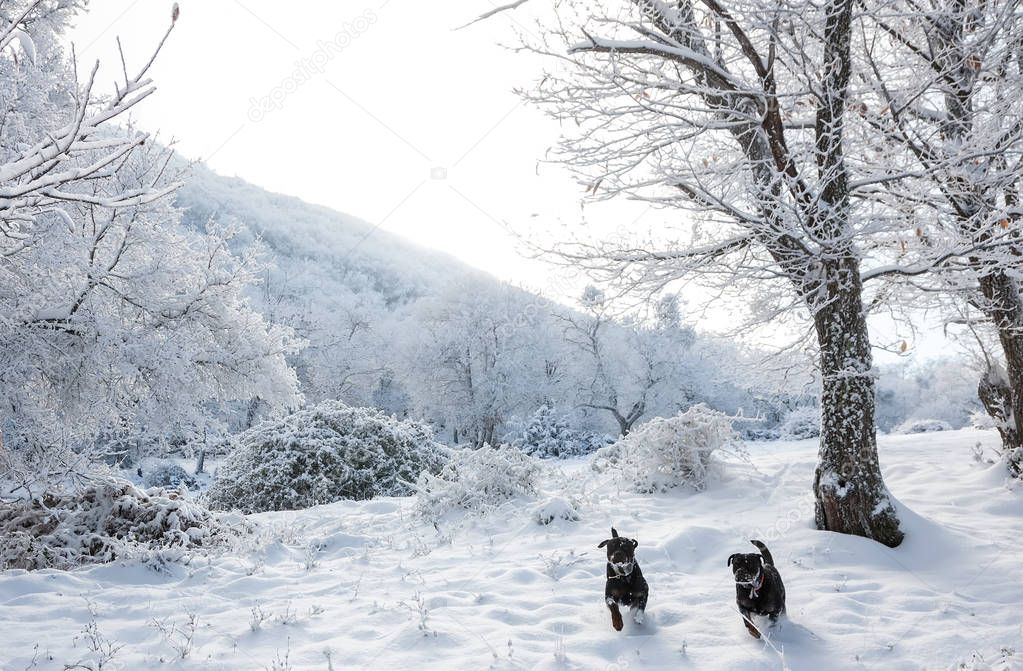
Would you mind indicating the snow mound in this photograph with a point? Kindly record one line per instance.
(321, 455)
(477, 481)
(555, 508)
(923, 426)
(106, 521)
(670, 452)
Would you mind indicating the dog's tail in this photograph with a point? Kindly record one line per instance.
(765, 553)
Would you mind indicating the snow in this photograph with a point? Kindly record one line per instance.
(370, 585)
(923, 426)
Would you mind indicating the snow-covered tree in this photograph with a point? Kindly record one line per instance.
(630, 367)
(113, 317)
(941, 95)
(478, 358)
(732, 119)
(550, 434)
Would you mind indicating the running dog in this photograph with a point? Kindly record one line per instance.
(625, 583)
(758, 586)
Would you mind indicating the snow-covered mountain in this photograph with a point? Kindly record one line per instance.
(414, 331)
(339, 250)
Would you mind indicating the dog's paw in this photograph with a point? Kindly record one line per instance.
(616, 621)
(637, 617)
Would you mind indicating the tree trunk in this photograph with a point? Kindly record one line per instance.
(625, 423)
(1002, 395)
(624, 426)
(489, 430)
(851, 496)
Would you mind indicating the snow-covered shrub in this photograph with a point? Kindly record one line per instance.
(324, 454)
(548, 434)
(979, 419)
(105, 521)
(555, 508)
(1003, 660)
(801, 423)
(477, 480)
(669, 452)
(923, 426)
(759, 434)
(168, 475)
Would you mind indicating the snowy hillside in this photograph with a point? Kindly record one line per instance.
(318, 243)
(371, 586)
(415, 332)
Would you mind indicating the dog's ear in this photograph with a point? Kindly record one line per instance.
(602, 544)
(635, 543)
(614, 532)
(762, 562)
(730, 559)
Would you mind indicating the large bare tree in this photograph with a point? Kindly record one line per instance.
(732, 119)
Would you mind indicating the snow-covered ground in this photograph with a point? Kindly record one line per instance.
(370, 586)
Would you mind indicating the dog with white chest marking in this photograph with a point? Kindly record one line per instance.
(625, 583)
(758, 586)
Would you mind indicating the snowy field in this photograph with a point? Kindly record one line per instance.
(370, 586)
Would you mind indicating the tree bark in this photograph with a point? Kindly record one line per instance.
(850, 494)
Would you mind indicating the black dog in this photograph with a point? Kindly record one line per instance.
(625, 583)
(758, 586)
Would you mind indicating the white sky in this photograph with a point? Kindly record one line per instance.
(412, 126)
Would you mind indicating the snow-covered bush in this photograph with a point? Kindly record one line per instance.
(324, 454)
(752, 433)
(168, 475)
(477, 480)
(979, 419)
(669, 452)
(923, 426)
(548, 435)
(108, 520)
(555, 508)
(801, 423)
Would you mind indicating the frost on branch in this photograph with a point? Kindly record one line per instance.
(108, 520)
(670, 452)
(321, 455)
(477, 481)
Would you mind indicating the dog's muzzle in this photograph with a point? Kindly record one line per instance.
(623, 569)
